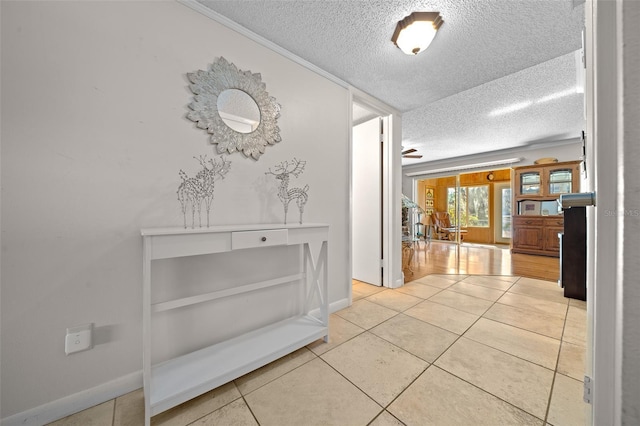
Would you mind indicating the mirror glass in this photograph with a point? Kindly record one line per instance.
(238, 110)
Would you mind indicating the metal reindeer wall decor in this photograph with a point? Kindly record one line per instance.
(195, 191)
(282, 171)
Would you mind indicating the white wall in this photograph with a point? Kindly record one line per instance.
(630, 49)
(94, 97)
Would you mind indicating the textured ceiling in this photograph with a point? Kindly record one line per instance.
(479, 119)
(448, 90)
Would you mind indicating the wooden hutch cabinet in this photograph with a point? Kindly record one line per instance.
(537, 216)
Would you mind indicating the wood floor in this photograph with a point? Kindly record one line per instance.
(437, 257)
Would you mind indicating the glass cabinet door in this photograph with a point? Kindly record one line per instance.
(560, 181)
(530, 183)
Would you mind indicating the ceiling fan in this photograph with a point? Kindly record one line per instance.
(408, 153)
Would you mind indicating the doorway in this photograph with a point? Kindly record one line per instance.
(502, 213)
(476, 204)
(386, 261)
(367, 211)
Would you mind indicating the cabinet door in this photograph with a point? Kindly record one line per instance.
(552, 227)
(551, 240)
(560, 181)
(529, 182)
(529, 238)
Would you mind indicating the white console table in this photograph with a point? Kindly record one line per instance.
(177, 380)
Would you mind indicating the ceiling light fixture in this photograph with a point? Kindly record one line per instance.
(415, 32)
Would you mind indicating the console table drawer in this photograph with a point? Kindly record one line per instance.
(265, 238)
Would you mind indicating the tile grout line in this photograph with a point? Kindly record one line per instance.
(476, 386)
(396, 313)
(275, 378)
(500, 350)
(242, 395)
(487, 392)
(555, 373)
(113, 414)
(481, 287)
(432, 364)
(385, 407)
(249, 407)
(510, 354)
(356, 386)
(379, 304)
(518, 327)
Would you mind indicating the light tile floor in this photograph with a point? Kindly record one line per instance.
(442, 350)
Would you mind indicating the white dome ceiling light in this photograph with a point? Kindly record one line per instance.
(416, 32)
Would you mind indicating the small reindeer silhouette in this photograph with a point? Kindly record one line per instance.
(285, 194)
(192, 192)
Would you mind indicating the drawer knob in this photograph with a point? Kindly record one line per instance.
(264, 238)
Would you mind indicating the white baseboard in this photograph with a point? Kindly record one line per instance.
(399, 282)
(55, 410)
(333, 307)
(339, 304)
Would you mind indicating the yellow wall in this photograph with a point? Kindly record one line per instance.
(440, 185)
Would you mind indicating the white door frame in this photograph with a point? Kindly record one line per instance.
(605, 249)
(391, 187)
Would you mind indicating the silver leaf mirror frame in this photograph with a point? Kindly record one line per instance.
(207, 87)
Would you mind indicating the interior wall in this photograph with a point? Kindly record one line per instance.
(94, 98)
(630, 14)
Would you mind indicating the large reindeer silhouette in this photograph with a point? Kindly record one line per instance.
(286, 195)
(192, 192)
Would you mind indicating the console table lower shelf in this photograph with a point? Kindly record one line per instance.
(173, 382)
(181, 379)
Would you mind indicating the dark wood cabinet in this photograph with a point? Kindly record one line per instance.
(573, 265)
(537, 216)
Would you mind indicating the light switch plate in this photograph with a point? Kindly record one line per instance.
(78, 339)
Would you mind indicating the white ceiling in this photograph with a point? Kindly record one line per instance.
(488, 54)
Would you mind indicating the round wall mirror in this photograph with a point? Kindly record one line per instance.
(238, 110)
(235, 109)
